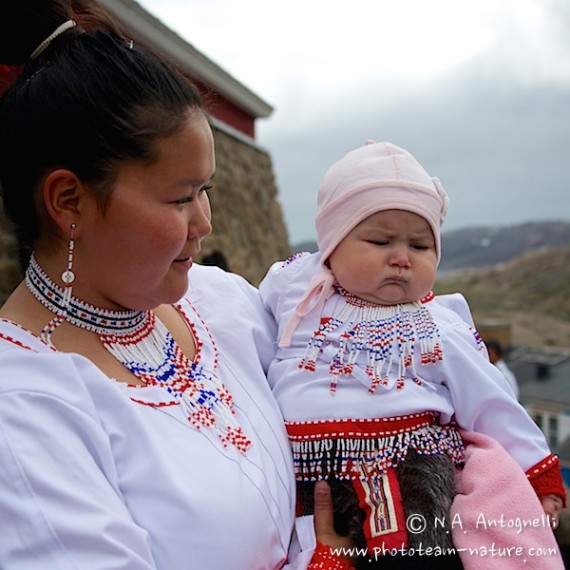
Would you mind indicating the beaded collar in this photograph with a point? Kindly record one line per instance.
(77, 312)
(358, 302)
(141, 342)
(385, 334)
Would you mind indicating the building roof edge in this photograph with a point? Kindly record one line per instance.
(163, 39)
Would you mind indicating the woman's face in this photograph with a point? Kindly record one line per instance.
(137, 254)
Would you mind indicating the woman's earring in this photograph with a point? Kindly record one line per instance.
(68, 277)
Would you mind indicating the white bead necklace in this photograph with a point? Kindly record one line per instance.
(141, 342)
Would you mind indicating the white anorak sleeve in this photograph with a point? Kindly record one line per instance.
(264, 327)
(60, 504)
(273, 287)
(482, 401)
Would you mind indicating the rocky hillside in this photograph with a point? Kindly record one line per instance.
(484, 246)
(532, 292)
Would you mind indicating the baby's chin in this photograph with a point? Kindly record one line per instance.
(389, 295)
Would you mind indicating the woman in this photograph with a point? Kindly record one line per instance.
(136, 426)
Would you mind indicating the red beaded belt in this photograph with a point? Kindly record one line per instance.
(337, 448)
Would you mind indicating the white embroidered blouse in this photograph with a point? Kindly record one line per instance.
(97, 474)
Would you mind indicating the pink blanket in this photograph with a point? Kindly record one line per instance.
(497, 520)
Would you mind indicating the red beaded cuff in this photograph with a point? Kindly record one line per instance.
(546, 478)
(325, 559)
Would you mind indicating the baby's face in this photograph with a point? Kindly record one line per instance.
(388, 258)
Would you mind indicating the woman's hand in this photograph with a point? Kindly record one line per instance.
(324, 521)
(333, 550)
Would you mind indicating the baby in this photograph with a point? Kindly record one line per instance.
(375, 375)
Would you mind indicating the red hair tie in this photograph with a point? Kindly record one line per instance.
(8, 74)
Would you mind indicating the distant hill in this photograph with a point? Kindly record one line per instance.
(310, 246)
(484, 246)
(531, 292)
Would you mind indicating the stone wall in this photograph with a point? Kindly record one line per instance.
(249, 230)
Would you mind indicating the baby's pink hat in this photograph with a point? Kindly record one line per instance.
(377, 176)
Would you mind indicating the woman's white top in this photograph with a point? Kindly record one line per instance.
(97, 474)
(463, 387)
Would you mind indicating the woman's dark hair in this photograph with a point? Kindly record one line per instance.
(89, 102)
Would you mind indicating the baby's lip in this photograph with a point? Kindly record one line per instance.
(396, 279)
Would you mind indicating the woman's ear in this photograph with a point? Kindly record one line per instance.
(63, 193)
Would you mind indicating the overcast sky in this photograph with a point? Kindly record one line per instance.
(477, 90)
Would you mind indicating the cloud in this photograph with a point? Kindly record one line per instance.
(477, 90)
(495, 129)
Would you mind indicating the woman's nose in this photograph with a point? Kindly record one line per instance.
(200, 222)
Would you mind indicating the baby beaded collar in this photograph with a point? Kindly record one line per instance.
(141, 342)
(384, 334)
